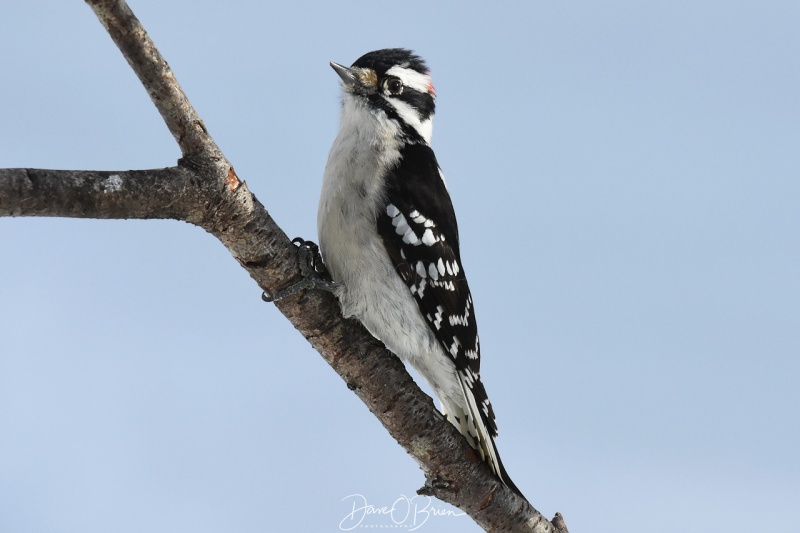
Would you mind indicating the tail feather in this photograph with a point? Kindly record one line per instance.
(480, 431)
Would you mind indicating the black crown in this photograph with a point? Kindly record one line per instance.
(382, 60)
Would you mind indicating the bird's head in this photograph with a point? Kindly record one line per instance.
(394, 83)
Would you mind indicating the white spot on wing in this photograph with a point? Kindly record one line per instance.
(428, 238)
(473, 354)
(409, 236)
(454, 347)
(469, 376)
(400, 224)
(462, 320)
(485, 406)
(437, 321)
(422, 284)
(433, 272)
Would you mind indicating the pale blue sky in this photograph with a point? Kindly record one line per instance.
(627, 180)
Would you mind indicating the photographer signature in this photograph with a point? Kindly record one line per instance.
(411, 513)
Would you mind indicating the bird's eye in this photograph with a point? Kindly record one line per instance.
(394, 86)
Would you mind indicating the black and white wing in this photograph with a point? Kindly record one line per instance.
(419, 230)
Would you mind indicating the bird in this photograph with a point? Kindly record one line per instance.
(388, 236)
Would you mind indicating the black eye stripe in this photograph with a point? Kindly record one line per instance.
(419, 100)
(408, 94)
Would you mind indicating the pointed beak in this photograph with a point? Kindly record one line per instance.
(361, 81)
(348, 76)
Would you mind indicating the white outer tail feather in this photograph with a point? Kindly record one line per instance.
(470, 424)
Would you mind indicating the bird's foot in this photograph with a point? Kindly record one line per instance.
(315, 275)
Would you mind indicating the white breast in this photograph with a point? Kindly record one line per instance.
(352, 197)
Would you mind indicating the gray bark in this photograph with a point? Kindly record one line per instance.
(203, 189)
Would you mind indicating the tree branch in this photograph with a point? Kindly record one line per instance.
(153, 71)
(204, 190)
(87, 194)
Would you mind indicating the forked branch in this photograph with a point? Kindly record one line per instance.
(203, 189)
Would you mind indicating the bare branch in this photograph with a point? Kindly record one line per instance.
(88, 194)
(204, 190)
(153, 71)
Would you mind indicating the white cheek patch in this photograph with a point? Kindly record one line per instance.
(413, 79)
(411, 117)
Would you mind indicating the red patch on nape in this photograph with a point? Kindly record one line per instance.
(431, 88)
